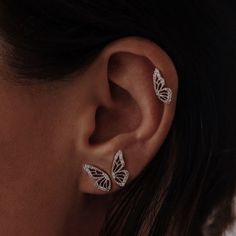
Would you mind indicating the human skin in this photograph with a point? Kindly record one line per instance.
(44, 133)
(38, 192)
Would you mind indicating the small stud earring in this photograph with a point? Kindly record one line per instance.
(119, 174)
(163, 93)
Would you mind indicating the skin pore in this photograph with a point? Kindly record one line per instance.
(49, 129)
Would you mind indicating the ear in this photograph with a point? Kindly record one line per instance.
(124, 112)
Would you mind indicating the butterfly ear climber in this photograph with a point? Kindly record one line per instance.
(164, 94)
(102, 180)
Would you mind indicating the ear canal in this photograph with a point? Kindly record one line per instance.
(119, 174)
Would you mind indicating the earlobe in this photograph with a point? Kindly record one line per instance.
(141, 81)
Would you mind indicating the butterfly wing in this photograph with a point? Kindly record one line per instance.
(164, 94)
(119, 174)
(158, 81)
(102, 180)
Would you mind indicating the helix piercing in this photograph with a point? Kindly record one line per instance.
(163, 93)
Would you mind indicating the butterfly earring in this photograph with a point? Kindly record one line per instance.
(102, 180)
(163, 93)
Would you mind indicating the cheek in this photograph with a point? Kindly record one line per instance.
(36, 153)
(26, 125)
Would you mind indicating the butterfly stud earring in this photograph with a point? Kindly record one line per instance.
(119, 174)
(102, 180)
(162, 92)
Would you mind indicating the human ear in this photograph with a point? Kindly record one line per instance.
(125, 112)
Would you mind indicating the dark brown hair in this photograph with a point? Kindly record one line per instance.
(193, 175)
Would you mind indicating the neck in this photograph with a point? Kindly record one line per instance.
(87, 215)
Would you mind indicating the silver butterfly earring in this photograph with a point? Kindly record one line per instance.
(163, 93)
(119, 174)
(101, 178)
